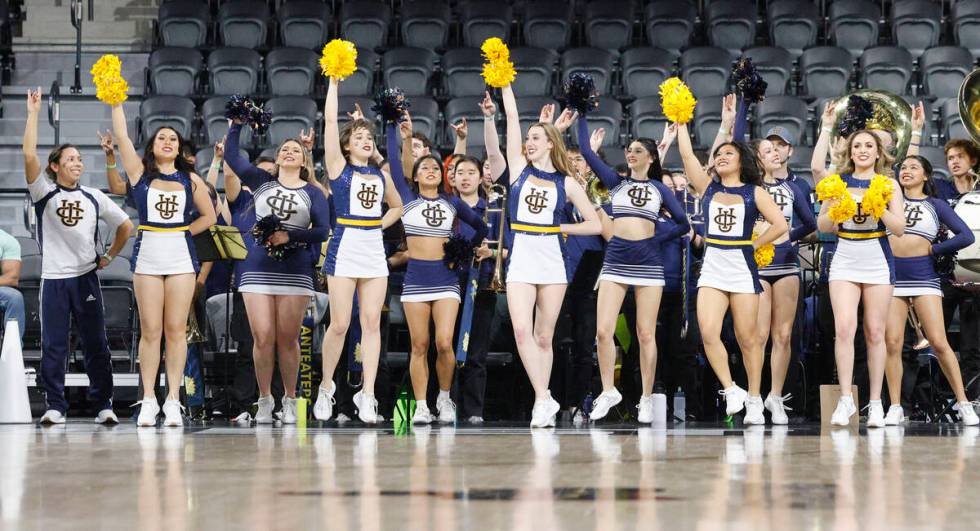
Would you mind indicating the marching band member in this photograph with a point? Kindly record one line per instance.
(356, 255)
(917, 283)
(632, 259)
(540, 184)
(729, 275)
(862, 269)
(277, 291)
(166, 192)
(431, 287)
(68, 216)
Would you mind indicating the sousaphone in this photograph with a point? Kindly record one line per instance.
(891, 113)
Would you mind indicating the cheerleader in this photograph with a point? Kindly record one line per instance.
(729, 275)
(862, 269)
(781, 278)
(540, 184)
(632, 259)
(431, 287)
(277, 291)
(355, 255)
(917, 283)
(166, 193)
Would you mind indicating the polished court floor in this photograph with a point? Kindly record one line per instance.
(704, 477)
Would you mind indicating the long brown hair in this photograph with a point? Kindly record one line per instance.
(306, 171)
(348, 130)
(883, 166)
(55, 158)
(559, 153)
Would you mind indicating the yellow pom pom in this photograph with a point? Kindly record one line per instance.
(499, 75)
(831, 187)
(494, 50)
(764, 254)
(339, 59)
(110, 87)
(875, 200)
(843, 210)
(677, 101)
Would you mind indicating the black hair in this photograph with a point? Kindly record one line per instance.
(928, 186)
(472, 160)
(55, 158)
(180, 162)
(751, 171)
(263, 158)
(655, 172)
(418, 163)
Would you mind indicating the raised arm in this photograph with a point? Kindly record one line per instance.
(250, 175)
(724, 134)
(490, 139)
(772, 214)
(216, 163)
(397, 176)
(590, 224)
(394, 201)
(116, 183)
(233, 185)
(607, 175)
(670, 133)
(461, 131)
(131, 161)
(818, 164)
(515, 154)
(681, 224)
(963, 234)
(32, 164)
(918, 121)
(698, 178)
(804, 212)
(333, 156)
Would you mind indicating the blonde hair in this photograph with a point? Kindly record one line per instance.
(883, 165)
(559, 153)
(307, 171)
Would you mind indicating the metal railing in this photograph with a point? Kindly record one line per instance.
(76, 21)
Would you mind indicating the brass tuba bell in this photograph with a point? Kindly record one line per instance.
(969, 104)
(597, 192)
(891, 113)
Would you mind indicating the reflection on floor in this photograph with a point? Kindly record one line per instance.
(495, 476)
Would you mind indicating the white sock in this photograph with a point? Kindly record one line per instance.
(420, 404)
(443, 395)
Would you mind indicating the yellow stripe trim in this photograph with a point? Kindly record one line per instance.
(733, 243)
(359, 222)
(534, 228)
(163, 229)
(861, 235)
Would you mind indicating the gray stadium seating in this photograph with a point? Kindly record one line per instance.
(793, 24)
(174, 71)
(608, 24)
(731, 24)
(303, 23)
(706, 70)
(670, 24)
(548, 24)
(234, 71)
(292, 71)
(916, 24)
(482, 19)
(644, 69)
(183, 23)
(408, 68)
(535, 71)
(886, 68)
(854, 25)
(775, 65)
(243, 23)
(366, 23)
(425, 24)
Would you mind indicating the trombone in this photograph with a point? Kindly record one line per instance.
(498, 193)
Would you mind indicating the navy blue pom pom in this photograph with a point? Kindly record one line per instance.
(859, 111)
(390, 104)
(458, 252)
(748, 82)
(580, 93)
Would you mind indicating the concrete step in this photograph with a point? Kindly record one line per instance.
(129, 25)
(43, 68)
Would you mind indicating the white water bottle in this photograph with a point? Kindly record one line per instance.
(680, 405)
(659, 408)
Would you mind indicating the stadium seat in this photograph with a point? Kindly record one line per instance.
(916, 24)
(30, 268)
(409, 69)
(529, 110)
(303, 23)
(548, 24)
(786, 111)
(966, 25)
(775, 65)
(202, 164)
(425, 24)
(886, 68)
(943, 69)
(647, 118)
(731, 25)
(28, 246)
(291, 71)
(184, 23)
(290, 114)
(800, 159)
(361, 82)
(234, 71)
(854, 25)
(953, 127)
(707, 119)
(644, 69)
(608, 115)
(482, 19)
(608, 24)
(365, 23)
(173, 71)
(706, 70)
(535, 71)
(937, 157)
(243, 23)
(169, 111)
(461, 68)
(670, 24)
(672, 161)
(467, 107)
(825, 71)
(215, 125)
(345, 104)
(425, 116)
(595, 61)
(793, 25)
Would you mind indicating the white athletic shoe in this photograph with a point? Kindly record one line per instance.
(645, 415)
(876, 414)
(263, 415)
(543, 413)
(172, 416)
(52, 416)
(735, 398)
(604, 402)
(895, 415)
(475, 420)
(447, 410)
(777, 409)
(842, 414)
(323, 409)
(149, 409)
(422, 415)
(967, 414)
(367, 407)
(288, 413)
(753, 412)
(107, 417)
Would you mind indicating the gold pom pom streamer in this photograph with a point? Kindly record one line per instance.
(339, 59)
(677, 101)
(764, 254)
(875, 200)
(110, 86)
(494, 50)
(832, 188)
(498, 71)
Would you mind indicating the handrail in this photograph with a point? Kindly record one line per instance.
(76, 21)
(54, 108)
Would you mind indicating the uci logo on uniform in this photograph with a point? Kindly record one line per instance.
(913, 215)
(70, 212)
(166, 206)
(639, 195)
(283, 206)
(725, 219)
(368, 195)
(434, 215)
(536, 200)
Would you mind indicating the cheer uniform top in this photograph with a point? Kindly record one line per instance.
(729, 258)
(537, 251)
(917, 275)
(634, 262)
(798, 213)
(356, 249)
(163, 239)
(430, 280)
(304, 214)
(863, 254)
